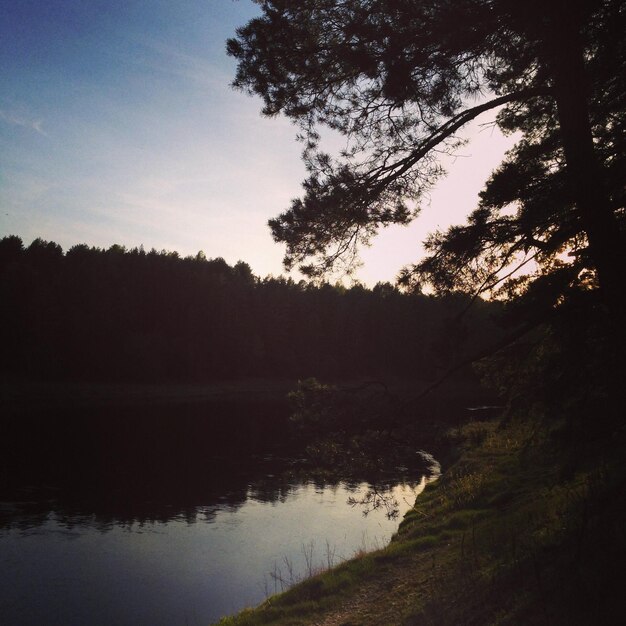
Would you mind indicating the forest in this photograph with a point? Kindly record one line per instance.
(136, 316)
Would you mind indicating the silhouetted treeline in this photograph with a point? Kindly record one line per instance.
(122, 314)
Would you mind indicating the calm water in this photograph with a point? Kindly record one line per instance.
(60, 568)
(175, 516)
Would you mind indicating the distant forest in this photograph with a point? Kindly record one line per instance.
(132, 315)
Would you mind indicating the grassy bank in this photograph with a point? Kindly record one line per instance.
(523, 528)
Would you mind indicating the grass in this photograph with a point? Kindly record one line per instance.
(521, 529)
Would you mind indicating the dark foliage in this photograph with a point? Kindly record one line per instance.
(400, 79)
(132, 315)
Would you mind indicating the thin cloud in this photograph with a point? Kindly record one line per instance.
(17, 120)
(172, 61)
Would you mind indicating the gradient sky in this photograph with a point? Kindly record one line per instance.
(118, 125)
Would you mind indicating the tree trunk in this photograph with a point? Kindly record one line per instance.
(570, 82)
(564, 45)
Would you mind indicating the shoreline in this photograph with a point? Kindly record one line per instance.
(498, 539)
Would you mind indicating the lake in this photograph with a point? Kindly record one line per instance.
(169, 515)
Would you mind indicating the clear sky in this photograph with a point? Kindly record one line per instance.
(118, 125)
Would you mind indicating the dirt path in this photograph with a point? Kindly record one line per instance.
(385, 600)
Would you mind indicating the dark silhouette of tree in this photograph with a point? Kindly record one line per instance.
(11, 250)
(133, 315)
(399, 79)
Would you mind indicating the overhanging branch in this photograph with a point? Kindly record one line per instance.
(395, 170)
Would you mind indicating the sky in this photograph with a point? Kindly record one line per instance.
(118, 124)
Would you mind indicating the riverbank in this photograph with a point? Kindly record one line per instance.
(520, 529)
(27, 395)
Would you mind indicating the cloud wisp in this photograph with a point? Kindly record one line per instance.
(35, 125)
(171, 60)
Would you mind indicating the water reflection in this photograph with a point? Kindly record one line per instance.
(189, 566)
(70, 510)
(169, 518)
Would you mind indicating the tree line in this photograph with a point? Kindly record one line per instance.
(132, 315)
